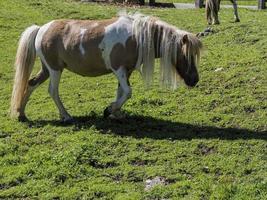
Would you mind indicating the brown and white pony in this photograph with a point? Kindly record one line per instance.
(97, 47)
(212, 9)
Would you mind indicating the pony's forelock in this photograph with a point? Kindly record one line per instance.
(192, 49)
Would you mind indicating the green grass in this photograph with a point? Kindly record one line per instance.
(209, 142)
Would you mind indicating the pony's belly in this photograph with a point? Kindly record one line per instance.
(89, 70)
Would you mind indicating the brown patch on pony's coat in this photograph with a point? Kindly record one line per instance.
(124, 56)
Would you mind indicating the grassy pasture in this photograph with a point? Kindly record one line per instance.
(208, 142)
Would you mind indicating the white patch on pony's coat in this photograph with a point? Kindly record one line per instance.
(39, 37)
(115, 33)
(83, 30)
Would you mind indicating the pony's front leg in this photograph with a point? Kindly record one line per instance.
(124, 92)
(53, 91)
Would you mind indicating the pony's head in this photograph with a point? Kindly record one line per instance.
(188, 58)
(178, 50)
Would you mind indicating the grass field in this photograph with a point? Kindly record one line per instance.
(208, 142)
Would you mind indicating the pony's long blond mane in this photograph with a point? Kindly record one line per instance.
(144, 30)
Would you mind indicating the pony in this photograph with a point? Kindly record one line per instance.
(93, 48)
(212, 9)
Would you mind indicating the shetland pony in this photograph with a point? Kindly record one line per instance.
(96, 47)
(212, 9)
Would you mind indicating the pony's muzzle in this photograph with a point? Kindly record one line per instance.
(192, 81)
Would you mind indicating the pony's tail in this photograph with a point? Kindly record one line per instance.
(25, 58)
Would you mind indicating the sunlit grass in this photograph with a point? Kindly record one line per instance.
(208, 142)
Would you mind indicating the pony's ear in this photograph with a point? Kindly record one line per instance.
(185, 39)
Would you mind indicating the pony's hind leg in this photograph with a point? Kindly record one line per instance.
(53, 91)
(33, 83)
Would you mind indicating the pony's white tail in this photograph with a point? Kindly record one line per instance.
(25, 58)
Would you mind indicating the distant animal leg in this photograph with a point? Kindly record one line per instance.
(212, 9)
(235, 10)
(124, 92)
(208, 15)
(53, 91)
(33, 83)
(216, 13)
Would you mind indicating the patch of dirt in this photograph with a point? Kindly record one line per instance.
(158, 180)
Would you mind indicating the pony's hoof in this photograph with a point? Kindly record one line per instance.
(107, 112)
(113, 115)
(67, 121)
(22, 118)
(237, 20)
(118, 115)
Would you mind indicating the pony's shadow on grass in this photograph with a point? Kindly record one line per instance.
(148, 127)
